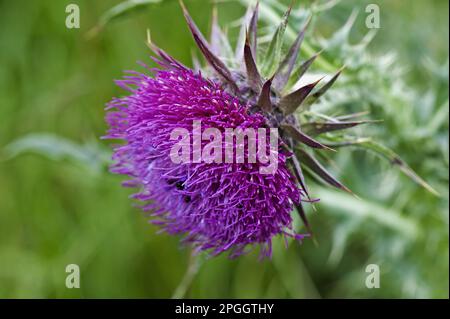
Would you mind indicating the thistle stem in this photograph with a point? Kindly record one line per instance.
(186, 282)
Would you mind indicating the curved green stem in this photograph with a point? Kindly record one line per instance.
(188, 278)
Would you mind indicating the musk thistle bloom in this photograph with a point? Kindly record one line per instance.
(220, 206)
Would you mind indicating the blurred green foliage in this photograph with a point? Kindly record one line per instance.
(65, 208)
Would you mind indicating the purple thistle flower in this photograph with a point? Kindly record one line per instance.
(220, 206)
(217, 207)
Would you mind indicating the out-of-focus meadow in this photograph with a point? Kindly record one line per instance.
(60, 206)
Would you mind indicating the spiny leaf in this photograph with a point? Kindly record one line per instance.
(309, 161)
(212, 59)
(299, 174)
(264, 101)
(271, 17)
(302, 137)
(287, 65)
(397, 161)
(253, 77)
(291, 102)
(316, 95)
(316, 128)
(273, 54)
(253, 32)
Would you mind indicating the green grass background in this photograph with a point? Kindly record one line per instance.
(57, 212)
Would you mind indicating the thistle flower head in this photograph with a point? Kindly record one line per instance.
(217, 206)
(220, 206)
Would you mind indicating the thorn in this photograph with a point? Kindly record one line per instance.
(183, 7)
(320, 79)
(149, 38)
(214, 11)
(308, 21)
(348, 190)
(354, 195)
(329, 148)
